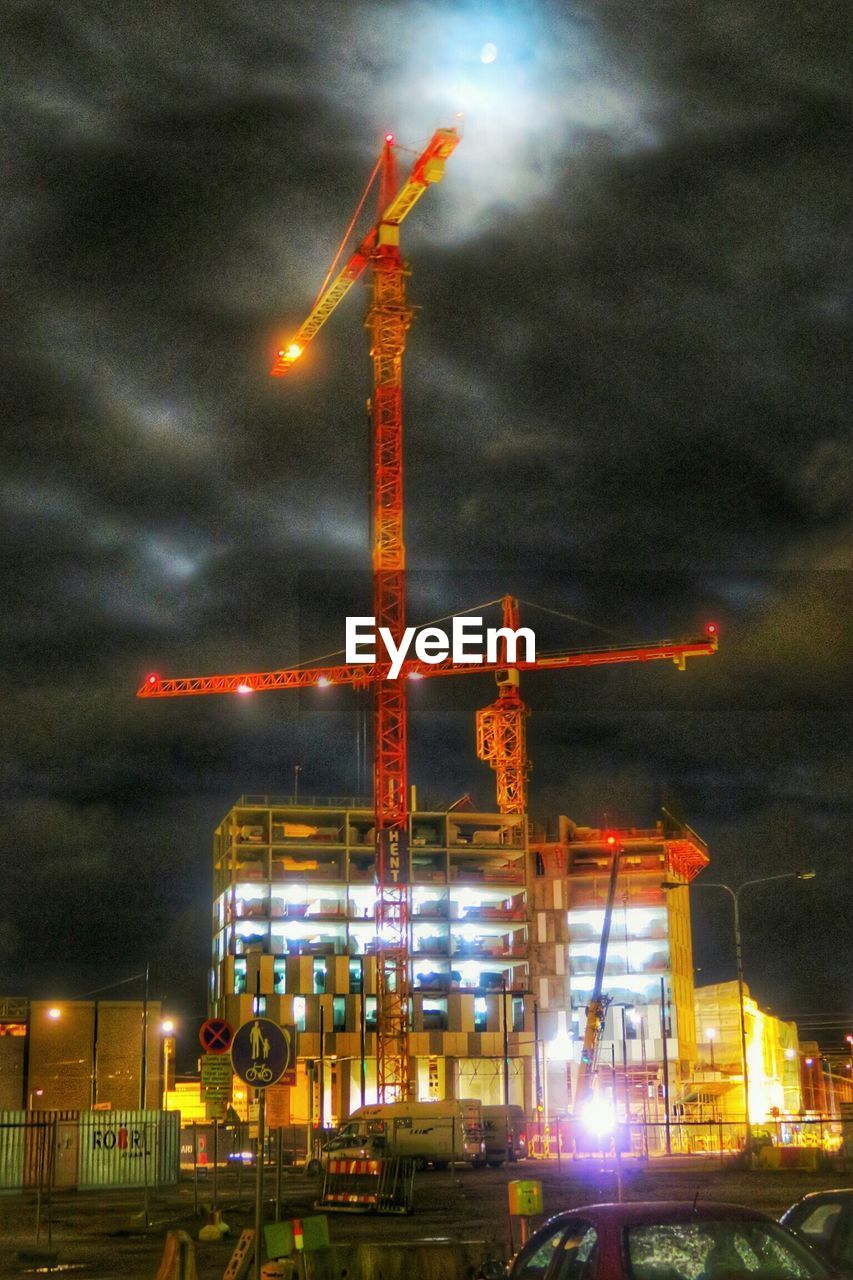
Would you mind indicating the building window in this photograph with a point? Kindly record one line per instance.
(339, 1013)
(319, 975)
(355, 974)
(481, 1014)
(435, 1014)
(370, 1012)
(239, 977)
(259, 1006)
(279, 975)
(299, 1006)
(518, 1013)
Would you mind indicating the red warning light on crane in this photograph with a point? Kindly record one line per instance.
(152, 679)
(389, 138)
(711, 628)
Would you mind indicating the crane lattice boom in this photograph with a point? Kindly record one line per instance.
(367, 674)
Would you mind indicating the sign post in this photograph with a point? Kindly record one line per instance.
(261, 1053)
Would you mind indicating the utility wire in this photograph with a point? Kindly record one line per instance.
(474, 608)
(570, 617)
(348, 231)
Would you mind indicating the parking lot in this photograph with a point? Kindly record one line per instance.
(98, 1234)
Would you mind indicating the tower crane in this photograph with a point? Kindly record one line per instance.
(500, 727)
(387, 321)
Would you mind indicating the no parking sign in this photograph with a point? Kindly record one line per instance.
(215, 1035)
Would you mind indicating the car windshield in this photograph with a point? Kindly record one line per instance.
(728, 1249)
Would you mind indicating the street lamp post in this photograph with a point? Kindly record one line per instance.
(810, 1064)
(167, 1028)
(734, 894)
(639, 1021)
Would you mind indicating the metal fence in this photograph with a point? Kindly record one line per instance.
(89, 1149)
(813, 1136)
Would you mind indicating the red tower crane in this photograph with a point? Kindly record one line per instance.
(500, 727)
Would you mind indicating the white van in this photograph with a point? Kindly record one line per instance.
(505, 1134)
(429, 1132)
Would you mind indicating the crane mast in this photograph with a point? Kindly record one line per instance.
(502, 728)
(387, 321)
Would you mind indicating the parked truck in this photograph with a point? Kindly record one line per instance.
(505, 1134)
(433, 1133)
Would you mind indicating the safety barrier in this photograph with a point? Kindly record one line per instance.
(368, 1186)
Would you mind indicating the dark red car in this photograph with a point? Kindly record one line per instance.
(665, 1241)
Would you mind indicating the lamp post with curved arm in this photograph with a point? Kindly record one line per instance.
(734, 894)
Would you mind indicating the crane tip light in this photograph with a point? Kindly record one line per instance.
(389, 138)
(711, 628)
(152, 680)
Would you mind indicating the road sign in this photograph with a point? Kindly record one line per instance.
(261, 1051)
(278, 1106)
(215, 1077)
(215, 1035)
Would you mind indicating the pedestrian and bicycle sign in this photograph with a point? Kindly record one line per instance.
(262, 1051)
(215, 1035)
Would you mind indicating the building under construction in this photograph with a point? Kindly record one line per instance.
(504, 928)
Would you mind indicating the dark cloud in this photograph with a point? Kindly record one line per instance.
(625, 398)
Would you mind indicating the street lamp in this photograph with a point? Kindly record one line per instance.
(810, 1063)
(734, 894)
(167, 1029)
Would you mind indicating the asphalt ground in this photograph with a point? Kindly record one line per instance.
(104, 1234)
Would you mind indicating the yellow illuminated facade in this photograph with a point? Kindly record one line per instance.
(772, 1055)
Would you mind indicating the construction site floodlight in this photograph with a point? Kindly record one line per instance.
(599, 1116)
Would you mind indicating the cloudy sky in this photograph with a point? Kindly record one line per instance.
(625, 401)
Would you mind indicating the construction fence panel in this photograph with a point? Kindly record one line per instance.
(368, 1186)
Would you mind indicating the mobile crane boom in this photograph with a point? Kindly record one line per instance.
(596, 1011)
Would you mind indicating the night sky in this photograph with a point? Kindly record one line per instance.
(624, 399)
